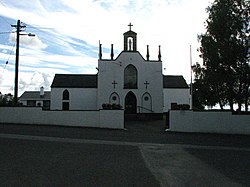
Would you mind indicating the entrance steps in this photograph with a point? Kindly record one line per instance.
(136, 117)
(142, 117)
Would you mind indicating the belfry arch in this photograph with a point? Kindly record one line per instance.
(130, 40)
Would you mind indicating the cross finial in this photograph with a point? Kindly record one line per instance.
(130, 25)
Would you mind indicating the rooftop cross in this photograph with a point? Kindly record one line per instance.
(130, 25)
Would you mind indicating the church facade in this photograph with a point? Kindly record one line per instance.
(130, 81)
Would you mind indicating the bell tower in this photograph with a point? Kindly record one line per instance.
(130, 40)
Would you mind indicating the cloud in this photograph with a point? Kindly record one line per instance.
(35, 80)
(28, 41)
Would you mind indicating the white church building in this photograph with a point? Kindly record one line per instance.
(129, 80)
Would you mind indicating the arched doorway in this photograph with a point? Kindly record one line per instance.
(130, 103)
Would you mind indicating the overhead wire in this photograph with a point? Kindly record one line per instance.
(8, 32)
(7, 61)
(40, 29)
(1, 16)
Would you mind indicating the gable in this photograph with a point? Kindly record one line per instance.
(74, 81)
(173, 81)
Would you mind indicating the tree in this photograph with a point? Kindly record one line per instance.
(225, 49)
(6, 99)
(203, 90)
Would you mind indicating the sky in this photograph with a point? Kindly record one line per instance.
(67, 35)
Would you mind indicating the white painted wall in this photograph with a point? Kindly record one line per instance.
(35, 115)
(175, 95)
(24, 102)
(209, 122)
(150, 71)
(79, 98)
(112, 119)
(56, 99)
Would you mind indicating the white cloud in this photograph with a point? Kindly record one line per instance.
(35, 80)
(28, 41)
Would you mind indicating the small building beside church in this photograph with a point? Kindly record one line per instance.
(36, 98)
(131, 81)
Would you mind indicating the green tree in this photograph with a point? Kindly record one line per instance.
(225, 52)
(203, 90)
(6, 99)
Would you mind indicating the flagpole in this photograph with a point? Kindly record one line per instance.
(191, 84)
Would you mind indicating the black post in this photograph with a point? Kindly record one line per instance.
(17, 62)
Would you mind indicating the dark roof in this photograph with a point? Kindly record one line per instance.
(74, 81)
(35, 95)
(130, 32)
(90, 81)
(173, 81)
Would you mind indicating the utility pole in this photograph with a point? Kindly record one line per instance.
(19, 28)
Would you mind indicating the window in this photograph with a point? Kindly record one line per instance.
(46, 104)
(65, 105)
(65, 95)
(114, 98)
(31, 103)
(130, 77)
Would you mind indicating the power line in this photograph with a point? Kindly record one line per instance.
(5, 19)
(8, 32)
(1, 16)
(7, 61)
(49, 38)
(10, 55)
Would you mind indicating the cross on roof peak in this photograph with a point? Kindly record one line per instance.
(130, 25)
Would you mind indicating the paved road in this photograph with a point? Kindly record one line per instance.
(49, 163)
(144, 155)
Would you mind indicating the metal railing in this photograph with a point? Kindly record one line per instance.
(140, 108)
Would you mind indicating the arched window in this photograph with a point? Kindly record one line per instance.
(114, 98)
(130, 77)
(146, 103)
(65, 95)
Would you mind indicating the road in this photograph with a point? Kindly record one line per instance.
(143, 155)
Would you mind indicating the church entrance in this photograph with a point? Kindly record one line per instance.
(130, 103)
